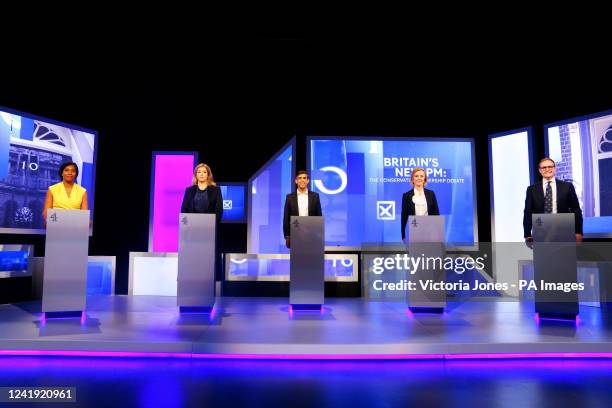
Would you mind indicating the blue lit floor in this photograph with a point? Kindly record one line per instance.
(265, 328)
(168, 383)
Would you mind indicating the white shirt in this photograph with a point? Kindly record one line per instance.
(303, 203)
(553, 186)
(420, 203)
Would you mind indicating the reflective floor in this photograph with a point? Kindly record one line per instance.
(266, 327)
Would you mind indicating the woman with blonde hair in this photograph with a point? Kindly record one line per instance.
(203, 196)
(419, 200)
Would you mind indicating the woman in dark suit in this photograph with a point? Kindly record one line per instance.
(419, 200)
(203, 196)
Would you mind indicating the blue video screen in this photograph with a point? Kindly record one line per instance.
(13, 261)
(31, 153)
(361, 182)
(234, 199)
(582, 150)
(267, 190)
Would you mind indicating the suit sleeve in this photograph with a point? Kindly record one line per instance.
(185, 204)
(575, 208)
(434, 208)
(286, 217)
(527, 213)
(404, 216)
(219, 206)
(318, 208)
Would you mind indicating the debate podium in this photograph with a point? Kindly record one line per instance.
(195, 291)
(65, 264)
(426, 238)
(554, 261)
(307, 274)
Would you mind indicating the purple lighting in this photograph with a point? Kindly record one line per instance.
(473, 356)
(213, 312)
(172, 174)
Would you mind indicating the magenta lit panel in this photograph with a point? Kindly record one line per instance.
(172, 173)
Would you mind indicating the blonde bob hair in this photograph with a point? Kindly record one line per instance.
(414, 171)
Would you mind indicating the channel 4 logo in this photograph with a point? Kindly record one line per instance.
(227, 204)
(385, 210)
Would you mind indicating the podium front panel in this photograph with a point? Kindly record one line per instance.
(65, 264)
(554, 260)
(426, 239)
(306, 285)
(196, 260)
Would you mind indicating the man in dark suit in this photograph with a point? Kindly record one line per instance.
(300, 203)
(551, 196)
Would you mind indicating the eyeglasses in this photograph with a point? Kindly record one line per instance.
(547, 167)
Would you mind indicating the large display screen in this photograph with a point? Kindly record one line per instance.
(582, 150)
(511, 173)
(361, 182)
(267, 190)
(31, 152)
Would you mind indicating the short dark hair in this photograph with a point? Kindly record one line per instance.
(299, 173)
(547, 159)
(63, 167)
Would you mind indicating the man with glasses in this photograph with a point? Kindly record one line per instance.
(550, 196)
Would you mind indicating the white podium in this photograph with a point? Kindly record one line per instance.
(426, 239)
(196, 263)
(65, 264)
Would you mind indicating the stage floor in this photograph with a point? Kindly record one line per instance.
(265, 328)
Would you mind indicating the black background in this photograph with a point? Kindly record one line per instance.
(237, 99)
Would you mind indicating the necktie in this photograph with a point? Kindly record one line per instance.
(548, 207)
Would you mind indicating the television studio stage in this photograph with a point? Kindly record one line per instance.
(187, 300)
(265, 328)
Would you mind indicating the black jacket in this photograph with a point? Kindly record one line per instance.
(408, 206)
(215, 201)
(567, 202)
(291, 208)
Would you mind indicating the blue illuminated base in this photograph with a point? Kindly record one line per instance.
(306, 308)
(63, 315)
(557, 310)
(195, 309)
(434, 310)
(569, 317)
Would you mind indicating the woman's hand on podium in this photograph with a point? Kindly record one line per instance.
(288, 242)
(529, 242)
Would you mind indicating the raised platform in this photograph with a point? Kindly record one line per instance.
(143, 326)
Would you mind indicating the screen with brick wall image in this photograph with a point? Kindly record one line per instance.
(582, 150)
